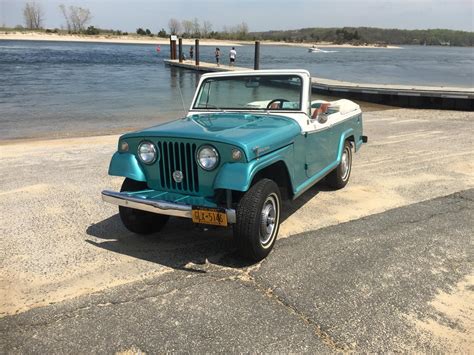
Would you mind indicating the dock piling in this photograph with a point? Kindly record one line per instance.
(173, 39)
(171, 48)
(196, 51)
(174, 50)
(180, 49)
(256, 62)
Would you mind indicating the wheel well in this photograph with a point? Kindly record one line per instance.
(277, 172)
(352, 141)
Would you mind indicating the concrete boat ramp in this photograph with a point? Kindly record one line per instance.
(449, 98)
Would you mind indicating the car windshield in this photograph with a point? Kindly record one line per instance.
(250, 92)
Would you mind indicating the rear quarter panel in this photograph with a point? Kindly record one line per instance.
(350, 128)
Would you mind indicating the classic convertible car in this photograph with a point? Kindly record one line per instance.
(250, 139)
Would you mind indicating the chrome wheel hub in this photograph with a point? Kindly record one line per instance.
(268, 220)
(345, 165)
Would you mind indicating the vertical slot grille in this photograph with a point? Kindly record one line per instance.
(178, 156)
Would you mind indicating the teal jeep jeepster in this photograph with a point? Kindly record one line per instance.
(250, 139)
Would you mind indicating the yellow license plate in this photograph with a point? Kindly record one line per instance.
(214, 216)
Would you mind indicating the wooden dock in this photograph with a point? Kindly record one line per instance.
(451, 98)
(416, 96)
(203, 66)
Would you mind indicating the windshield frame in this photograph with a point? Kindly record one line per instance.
(201, 87)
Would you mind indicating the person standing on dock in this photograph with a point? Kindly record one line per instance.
(232, 56)
(191, 52)
(218, 54)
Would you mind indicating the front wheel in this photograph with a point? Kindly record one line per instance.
(258, 220)
(339, 177)
(137, 221)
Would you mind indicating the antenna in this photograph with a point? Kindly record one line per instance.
(182, 100)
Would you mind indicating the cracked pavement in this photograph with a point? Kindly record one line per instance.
(363, 285)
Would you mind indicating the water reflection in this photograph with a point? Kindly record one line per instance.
(185, 80)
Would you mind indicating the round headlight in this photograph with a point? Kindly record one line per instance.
(207, 157)
(147, 152)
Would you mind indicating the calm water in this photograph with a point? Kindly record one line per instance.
(58, 89)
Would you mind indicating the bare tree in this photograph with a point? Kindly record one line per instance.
(79, 17)
(76, 17)
(66, 17)
(33, 15)
(206, 28)
(187, 27)
(196, 28)
(174, 26)
(242, 30)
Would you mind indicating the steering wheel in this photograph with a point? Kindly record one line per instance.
(281, 101)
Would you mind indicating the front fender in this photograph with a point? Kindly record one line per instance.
(126, 165)
(239, 176)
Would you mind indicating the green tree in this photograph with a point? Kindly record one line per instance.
(91, 30)
(162, 33)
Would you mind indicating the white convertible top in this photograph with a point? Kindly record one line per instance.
(302, 72)
(344, 106)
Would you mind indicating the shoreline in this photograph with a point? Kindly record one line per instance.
(134, 39)
(64, 135)
(106, 132)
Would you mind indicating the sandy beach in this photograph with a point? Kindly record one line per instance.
(134, 39)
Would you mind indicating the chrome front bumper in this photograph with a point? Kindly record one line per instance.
(155, 206)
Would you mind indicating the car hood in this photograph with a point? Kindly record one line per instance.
(256, 134)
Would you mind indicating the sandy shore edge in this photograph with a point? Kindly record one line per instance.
(133, 39)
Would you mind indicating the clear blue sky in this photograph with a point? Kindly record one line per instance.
(259, 15)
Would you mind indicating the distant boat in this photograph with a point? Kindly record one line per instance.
(317, 50)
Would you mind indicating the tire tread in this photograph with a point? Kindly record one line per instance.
(143, 222)
(334, 178)
(248, 222)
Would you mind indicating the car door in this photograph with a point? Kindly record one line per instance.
(318, 148)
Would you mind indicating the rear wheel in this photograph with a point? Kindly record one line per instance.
(137, 221)
(258, 220)
(339, 177)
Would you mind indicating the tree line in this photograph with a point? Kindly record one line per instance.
(195, 29)
(370, 35)
(76, 17)
(77, 20)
